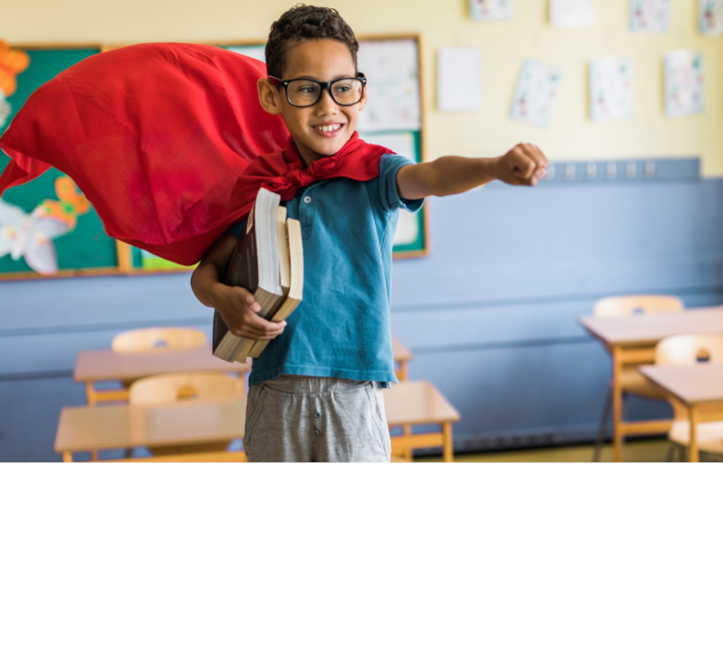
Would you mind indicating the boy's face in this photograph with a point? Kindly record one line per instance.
(321, 60)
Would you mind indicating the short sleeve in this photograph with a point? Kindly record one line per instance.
(237, 229)
(389, 167)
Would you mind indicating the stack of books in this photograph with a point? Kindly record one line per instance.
(269, 263)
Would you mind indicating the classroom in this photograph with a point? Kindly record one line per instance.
(521, 316)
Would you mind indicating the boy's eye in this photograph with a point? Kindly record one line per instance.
(307, 89)
(342, 88)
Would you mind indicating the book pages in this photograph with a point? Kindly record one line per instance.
(650, 15)
(610, 88)
(710, 16)
(537, 87)
(393, 100)
(490, 9)
(572, 13)
(684, 83)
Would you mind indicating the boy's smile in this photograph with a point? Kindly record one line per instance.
(324, 128)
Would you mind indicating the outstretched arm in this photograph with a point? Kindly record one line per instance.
(525, 164)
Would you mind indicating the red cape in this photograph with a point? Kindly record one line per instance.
(154, 135)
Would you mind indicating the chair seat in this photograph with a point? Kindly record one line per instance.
(709, 435)
(632, 381)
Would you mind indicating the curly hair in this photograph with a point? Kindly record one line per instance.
(303, 23)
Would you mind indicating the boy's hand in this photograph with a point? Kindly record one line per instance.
(238, 309)
(524, 164)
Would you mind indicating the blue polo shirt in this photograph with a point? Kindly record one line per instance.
(342, 326)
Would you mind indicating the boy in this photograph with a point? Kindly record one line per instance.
(315, 392)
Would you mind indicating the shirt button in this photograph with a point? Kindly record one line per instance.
(307, 199)
(317, 431)
(317, 415)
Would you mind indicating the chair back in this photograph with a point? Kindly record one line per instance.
(186, 386)
(158, 337)
(617, 306)
(689, 349)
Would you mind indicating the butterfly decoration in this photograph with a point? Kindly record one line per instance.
(12, 63)
(30, 235)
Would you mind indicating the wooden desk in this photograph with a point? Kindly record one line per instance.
(418, 402)
(631, 341)
(699, 388)
(83, 428)
(106, 365)
(401, 357)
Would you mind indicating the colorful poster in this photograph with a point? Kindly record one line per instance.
(650, 15)
(394, 102)
(710, 16)
(610, 88)
(536, 92)
(572, 13)
(12, 63)
(684, 83)
(490, 9)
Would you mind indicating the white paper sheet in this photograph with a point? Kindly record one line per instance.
(649, 15)
(610, 88)
(537, 87)
(490, 9)
(257, 52)
(458, 79)
(572, 13)
(710, 16)
(684, 83)
(394, 102)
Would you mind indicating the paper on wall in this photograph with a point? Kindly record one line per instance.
(5, 109)
(684, 83)
(458, 79)
(710, 16)
(392, 70)
(407, 230)
(649, 15)
(257, 52)
(490, 9)
(610, 88)
(572, 13)
(537, 87)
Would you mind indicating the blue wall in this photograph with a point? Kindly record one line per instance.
(491, 314)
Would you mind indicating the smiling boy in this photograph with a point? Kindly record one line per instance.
(315, 393)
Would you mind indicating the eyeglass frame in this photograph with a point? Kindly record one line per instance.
(275, 81)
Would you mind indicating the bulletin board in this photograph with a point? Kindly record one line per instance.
(393, 117)
(73, 236)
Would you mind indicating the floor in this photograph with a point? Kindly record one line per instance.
(635, 451)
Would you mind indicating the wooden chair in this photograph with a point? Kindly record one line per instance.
(686, 350)
(631, 381)
(176, 387)
(158, 337)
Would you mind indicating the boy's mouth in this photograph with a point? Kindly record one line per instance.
(327, 129)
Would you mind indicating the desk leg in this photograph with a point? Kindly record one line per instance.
(407, 433)
(90, 394)
(693, 443)
(94, 455)
(67, 456)
(617, 405)
(448, 447)
(402, 374)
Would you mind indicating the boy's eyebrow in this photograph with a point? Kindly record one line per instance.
(308, 77)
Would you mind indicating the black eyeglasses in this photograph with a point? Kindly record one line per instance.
(306, 92)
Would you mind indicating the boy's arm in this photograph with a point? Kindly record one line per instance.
(236, 305)
(525, 164)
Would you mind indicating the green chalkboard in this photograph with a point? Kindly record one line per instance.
(85, 248)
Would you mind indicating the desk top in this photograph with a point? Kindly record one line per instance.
(417, 402)
(84, 428)
(399, 351)
(702, 382)
(106, 365)
(648, 329)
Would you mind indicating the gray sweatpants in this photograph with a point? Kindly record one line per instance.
(323, 419)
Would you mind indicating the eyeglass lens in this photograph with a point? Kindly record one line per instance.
(305, 92)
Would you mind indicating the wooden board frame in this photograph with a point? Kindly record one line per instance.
(124, 251)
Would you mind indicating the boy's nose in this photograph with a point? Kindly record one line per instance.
(326, 104)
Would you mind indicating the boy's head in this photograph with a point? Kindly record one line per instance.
(313, 44)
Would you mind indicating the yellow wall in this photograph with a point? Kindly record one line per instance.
(571, 135)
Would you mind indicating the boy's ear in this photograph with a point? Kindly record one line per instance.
(363, 101)
(269, 97)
